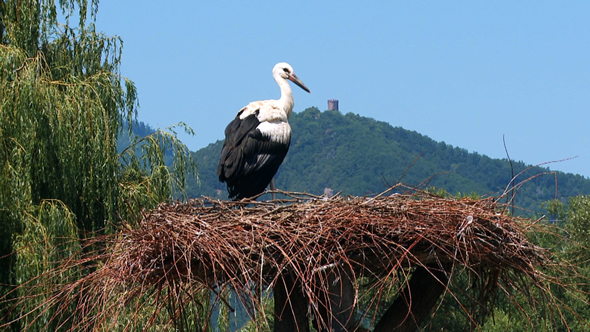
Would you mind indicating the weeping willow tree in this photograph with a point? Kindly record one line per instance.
(63, 103)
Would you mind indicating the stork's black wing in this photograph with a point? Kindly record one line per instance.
(249, 159)
(232, 158)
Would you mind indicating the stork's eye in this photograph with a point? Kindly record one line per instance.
(286, 70)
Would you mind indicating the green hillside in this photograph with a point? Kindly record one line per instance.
(361, 156)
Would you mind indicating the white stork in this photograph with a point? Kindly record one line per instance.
(258, 139)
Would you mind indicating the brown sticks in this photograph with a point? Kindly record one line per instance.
(250, 246)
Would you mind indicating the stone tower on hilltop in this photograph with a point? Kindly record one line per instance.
(333, 104)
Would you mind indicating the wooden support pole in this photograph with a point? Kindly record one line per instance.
(416, 301)
(290, 311)
(336, 303)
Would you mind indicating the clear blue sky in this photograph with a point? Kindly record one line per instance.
(462, 72)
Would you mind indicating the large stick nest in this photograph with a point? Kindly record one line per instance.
(220, 241)
(180, 249)
(248, 245)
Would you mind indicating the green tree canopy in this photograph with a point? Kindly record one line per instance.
(62, 106)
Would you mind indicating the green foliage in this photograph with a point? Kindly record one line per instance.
(555, 210)
(49, 237)
(154, 167)
(62, 107)
(578, 251)
(503, 321)
(518, 313)
(578, 216)
(69, 85)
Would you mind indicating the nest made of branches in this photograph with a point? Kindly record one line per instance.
(180, 249)
(220, 241)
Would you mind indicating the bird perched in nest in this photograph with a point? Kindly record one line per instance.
(257, 140)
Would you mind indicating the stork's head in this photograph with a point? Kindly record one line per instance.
(285, 71)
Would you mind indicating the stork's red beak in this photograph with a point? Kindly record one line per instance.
(297, 81)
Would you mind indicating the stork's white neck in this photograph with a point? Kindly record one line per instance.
(286, 102)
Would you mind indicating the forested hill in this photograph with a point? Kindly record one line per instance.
(360, 156)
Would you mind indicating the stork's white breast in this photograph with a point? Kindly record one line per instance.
(277, 131)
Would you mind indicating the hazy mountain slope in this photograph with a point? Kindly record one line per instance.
(359, 155)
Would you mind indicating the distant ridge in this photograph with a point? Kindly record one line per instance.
(359, 156)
